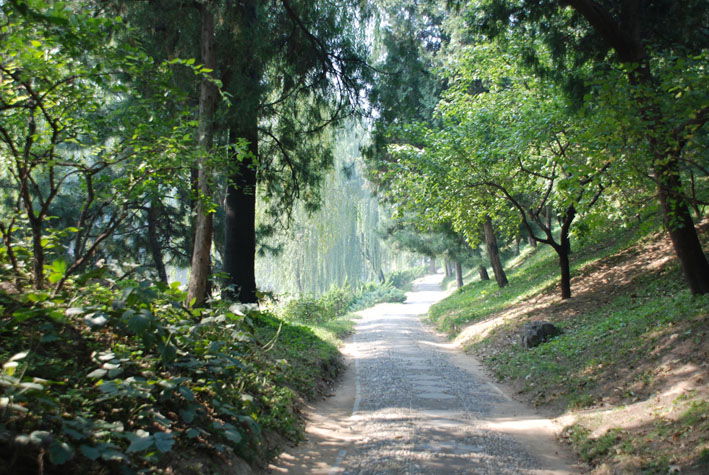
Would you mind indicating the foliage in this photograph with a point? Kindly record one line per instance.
(127, 377)
(85, 150)
(401, 279)
(338, 301)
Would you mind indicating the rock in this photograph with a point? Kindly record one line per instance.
(536, 333)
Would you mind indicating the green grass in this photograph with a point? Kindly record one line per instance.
(611, 348)
(332, 331)
(618, 335)
(532, 272)
(479, 299)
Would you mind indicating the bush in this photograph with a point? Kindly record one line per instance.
(338, 301)
(373, 293)
(401, 279)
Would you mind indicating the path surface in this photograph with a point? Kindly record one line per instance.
(411, 403)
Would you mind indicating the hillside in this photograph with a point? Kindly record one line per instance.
(628, 376)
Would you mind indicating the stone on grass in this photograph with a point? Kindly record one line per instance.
(535, 333)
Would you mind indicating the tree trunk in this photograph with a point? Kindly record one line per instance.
(447, 267)
(432, 265)
(532, 242)
(494, 253)
(243, 78)
(38, 254)
(240, 228)
(198, 287)
(678, 222)
(482, 271)
(458, 274)
(154, 242)
(518, 241)
(563, 252)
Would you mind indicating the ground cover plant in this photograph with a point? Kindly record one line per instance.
(128, 379)
(627, 375)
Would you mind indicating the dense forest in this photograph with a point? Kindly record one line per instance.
(193, 190)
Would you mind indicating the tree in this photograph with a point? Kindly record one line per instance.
(660, 48)
(292, 71)
(73, 131)
(200, 268)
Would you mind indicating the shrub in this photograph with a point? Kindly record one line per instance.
(402, 278)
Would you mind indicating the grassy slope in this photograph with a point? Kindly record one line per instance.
(634, 349)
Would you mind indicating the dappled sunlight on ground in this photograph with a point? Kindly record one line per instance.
(412, 403)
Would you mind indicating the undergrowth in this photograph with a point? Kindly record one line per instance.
(127, 379)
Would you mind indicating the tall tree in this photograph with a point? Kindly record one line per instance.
(200, 268)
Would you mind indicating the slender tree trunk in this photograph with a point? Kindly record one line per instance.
(38, 254)
(518, 241)
(198, 287)
(432, 265)
(532, 242)
(447, 267)
(154, 242)
(482, 271)
(494, 253)
(458, 274)
(563, 252)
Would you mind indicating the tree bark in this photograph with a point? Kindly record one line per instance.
(240, 227)
(198, 287)
(482, 271)
(563, 252)
(37, 253)
(243, 77)
(458, 274)
(678, 222)
(494, 253)
(432, 265)
(447, 267)
(154, 242)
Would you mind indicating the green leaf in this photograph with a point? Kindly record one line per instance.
(140, 444)
(60, 452)
(188, 415)
(233, 435)
(113, 455)
(164, 441)
(19, 356)
(97, 373)
(73, 311)
(89, 452)
(39, 436)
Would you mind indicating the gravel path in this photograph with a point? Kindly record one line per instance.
(420, 406)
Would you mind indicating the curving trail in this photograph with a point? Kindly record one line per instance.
(412, 403)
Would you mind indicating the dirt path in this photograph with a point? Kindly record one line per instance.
(412, 403)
